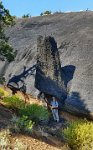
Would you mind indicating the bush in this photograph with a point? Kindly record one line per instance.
(79, 135)
(47, 12)
(14, 102)
(21, 124)
(3, 93)
(36, 112)
(2, 79)
(26, 16)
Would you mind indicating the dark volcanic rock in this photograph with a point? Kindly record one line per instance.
(48, 72)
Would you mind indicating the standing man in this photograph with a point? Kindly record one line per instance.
(54, 108)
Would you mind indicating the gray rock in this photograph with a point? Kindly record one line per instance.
(74, 35)
(48, 77)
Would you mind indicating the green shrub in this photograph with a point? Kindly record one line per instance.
(36, 112)
(26, 16)
(47, 12)
(14, 102)
(21, 124)
(1, 92)
(79, 135)
(2, 80)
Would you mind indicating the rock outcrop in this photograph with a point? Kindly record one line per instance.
(74, 35)
(48, 77)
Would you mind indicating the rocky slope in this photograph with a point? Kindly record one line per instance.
(74, 35)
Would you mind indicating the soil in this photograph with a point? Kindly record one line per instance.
(5, 116)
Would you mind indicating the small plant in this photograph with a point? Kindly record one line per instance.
(26, 16)
(36, 112)
(21, 124)
(5, 140)
(18, 145)
(14, 102)
(41, 14)
(3, 93)
(2, 79)
(79, 135)
(47, 12)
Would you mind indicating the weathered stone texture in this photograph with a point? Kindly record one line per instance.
(74, 35)
(48, 72)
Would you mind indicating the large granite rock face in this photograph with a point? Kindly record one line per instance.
(74, 35)
(48, 77)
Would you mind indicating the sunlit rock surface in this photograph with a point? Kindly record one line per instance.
(73, 33)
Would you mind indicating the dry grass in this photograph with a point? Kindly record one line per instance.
(29, 98)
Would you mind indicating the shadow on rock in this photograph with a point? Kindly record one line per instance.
(68, 73)
(76, 105)
(16, 82)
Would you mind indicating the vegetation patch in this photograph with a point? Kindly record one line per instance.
(36, 112)
(21, 124)
(14, 102)
(2, 79)
(3, 93)
(79, 135)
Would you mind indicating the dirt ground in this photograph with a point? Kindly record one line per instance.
(35, 144)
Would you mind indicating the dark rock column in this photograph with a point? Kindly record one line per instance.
(48, 71)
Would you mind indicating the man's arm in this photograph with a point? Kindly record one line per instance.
(54, 107)
(49, 105)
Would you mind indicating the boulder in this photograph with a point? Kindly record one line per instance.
(48, 77)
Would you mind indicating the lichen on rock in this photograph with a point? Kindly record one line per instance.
(48, 72)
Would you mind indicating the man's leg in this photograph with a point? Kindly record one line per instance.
(57, 115)
(54, 116)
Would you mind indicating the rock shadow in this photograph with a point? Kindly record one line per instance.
(67, 73)
(76, 105)
(17, 81)
(47, 86)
